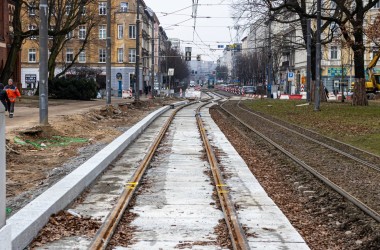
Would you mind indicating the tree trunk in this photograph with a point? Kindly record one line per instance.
(11, 60)
(360, 95)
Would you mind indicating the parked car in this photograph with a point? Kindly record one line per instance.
(249, 90)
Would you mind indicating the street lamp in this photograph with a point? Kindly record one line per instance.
(318, 59)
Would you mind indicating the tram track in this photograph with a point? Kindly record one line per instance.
(352, 177)
(110, 224)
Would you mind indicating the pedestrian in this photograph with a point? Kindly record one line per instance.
(327, 93)
(4, 97)
(12, 93)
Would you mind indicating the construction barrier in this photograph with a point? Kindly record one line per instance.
(127, 94)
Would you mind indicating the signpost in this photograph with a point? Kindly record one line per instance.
(290, 82)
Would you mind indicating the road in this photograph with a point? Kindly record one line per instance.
(27, 111)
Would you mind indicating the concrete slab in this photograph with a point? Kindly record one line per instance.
(28, 221)
(177, 210)
(5, 238)
(256, 211)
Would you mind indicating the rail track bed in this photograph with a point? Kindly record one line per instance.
(349, 227)
(192, 194)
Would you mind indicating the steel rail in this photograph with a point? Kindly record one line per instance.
(368, 164)
(238, 239)
(332, 185)
(105, 233)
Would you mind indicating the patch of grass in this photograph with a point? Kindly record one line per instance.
(356, 125)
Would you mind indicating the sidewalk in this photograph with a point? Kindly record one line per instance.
(27, 111)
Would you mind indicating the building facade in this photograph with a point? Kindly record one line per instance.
(85, 47)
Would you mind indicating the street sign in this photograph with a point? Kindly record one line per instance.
(30, 78)
(290, 76)
(170, 72)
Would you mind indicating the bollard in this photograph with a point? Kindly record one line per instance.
(5, 230)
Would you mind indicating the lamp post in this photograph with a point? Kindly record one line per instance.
(137, 66)
(108, 51)
(308, 74)
(43, 68)
(318, 60)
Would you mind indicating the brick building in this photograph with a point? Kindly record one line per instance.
(6, 30)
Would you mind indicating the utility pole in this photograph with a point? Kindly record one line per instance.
(308, 73)
(318, 59)
(270, 57)
(43, 84)
(137, 67)
(159, 62)
(108, 51)
(152, 76)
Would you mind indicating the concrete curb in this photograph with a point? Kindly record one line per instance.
(27, 222)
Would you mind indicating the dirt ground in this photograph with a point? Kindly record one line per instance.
(39, 156)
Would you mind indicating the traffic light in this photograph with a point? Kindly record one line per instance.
(198, 57)
(187, 56)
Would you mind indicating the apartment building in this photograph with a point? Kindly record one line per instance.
(92, 54)
(337, 58)
(6, 32)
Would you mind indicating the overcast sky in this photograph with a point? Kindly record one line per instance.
(216, 29)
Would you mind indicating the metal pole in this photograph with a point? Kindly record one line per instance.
(2, 169)
(308, 73)
(318, 59)
(108, 51)
(43, 84)
(270, 58)
(159, 62)
(137, 67)
(152, 76)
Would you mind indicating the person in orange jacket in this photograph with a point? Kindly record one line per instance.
(12, 93)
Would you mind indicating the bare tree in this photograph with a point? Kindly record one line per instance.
(64, 17)
(348, 15)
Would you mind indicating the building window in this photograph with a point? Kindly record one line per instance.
(102, 55)
(334, 52)
(120, 55)
(68, 9)
(82, 56)
(32, 10)
(32, 55)
(102, 32)
(83, 10)
(132, 31)
(32, 27)
(102, 8)
(120, 31)
(69, 35)
(82, 32)
(51, 29)
(132, 55)
(123, 7)
(69, 55)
